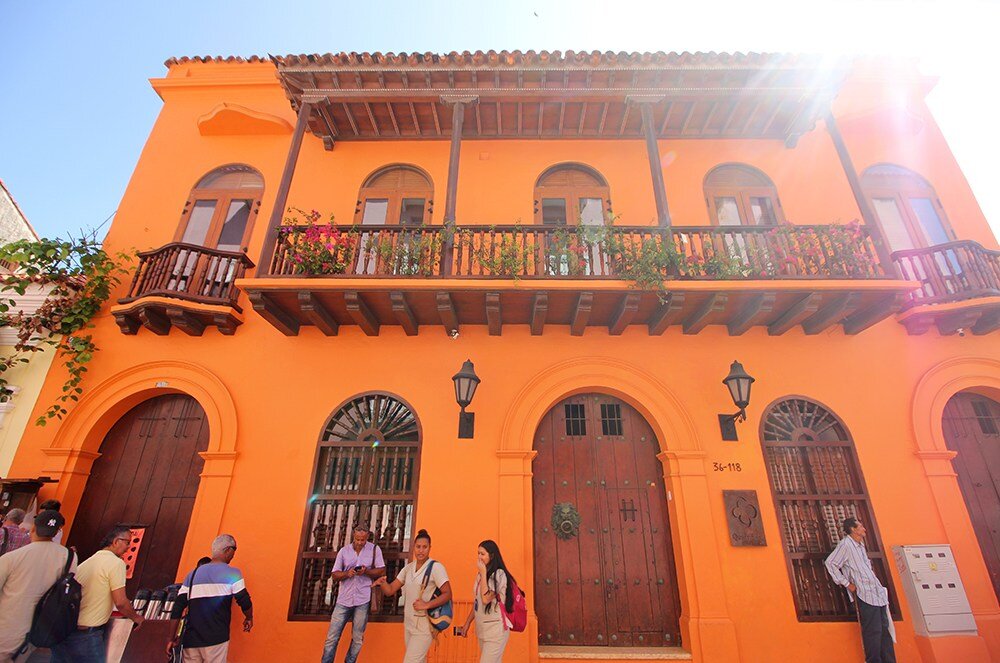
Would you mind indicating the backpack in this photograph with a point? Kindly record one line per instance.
(516, 620)
(440, 617)
(57, 611)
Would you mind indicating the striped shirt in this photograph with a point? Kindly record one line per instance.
(849, 563)
(209, 603)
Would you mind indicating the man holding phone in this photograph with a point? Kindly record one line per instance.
(357, 566)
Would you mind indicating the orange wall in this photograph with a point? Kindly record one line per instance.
(284, 388)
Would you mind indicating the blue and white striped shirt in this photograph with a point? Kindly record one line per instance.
(849, 563)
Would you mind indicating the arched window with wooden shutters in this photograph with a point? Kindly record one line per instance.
(741, 195)
(817, 482)
(366, 472)
(220, 211)
(907, 207)
(571, 194)
(397, 194)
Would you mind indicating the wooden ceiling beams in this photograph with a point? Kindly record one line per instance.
(385, 103)
(545, 310)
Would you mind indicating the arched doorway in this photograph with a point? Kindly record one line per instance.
(147, 474)
(604, 565)
(971, 426)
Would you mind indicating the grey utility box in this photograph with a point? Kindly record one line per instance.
(934, 590)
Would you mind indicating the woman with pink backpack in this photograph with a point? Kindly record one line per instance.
(499, 606)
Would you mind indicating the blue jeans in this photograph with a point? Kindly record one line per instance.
(338, 620)
(81, 647)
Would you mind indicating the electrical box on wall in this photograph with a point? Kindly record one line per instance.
(934, 590)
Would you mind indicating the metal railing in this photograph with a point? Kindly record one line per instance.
(611, 252)
(189, 272)
(950, 272)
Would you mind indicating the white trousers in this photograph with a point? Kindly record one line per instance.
(491, 651)
(417, 646)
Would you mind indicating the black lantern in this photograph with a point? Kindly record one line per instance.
(466, 382)
(738, 381)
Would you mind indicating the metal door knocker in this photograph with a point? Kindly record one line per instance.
(565, 520)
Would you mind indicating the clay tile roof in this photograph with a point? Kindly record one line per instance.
(202, 59)
(540, 59)
(517, 58)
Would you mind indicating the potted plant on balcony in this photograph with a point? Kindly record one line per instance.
(315, 249)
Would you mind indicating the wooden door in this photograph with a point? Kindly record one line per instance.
(147, 474)
(972, 428)
(604, 567)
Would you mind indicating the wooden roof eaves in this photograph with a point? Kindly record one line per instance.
(557, 94)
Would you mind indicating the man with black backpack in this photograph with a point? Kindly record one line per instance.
(26, 574)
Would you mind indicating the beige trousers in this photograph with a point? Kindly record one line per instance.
(417, 646)
(213, 654)
(491, 651)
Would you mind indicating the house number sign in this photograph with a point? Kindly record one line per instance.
(743, 518)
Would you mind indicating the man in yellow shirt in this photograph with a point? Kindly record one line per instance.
(102, 578)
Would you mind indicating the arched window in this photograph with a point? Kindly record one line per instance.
(220, 211)
(907, 207)
(395, 194)
(366, 472)
(817, 482)
(739, 195)
(571, 194)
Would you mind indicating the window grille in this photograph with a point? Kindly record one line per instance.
(817, 483)
(611, 418)
(366, 472)
(576, 419)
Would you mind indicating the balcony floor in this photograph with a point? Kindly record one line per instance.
(327, 303)
(979, 315)
(159, 314)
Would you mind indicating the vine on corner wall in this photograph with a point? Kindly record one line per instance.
(77, 277)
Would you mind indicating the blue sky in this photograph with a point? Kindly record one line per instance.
(76, 106)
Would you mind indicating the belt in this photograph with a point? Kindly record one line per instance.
(90, 629)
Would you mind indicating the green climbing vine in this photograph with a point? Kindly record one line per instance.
(77, 276)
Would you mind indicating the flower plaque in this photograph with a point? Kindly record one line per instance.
(743, 518)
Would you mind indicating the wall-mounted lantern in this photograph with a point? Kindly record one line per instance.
(738, 381)
(466, 382)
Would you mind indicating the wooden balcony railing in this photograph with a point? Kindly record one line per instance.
(189, 272)
(950, 272)
(573, 252)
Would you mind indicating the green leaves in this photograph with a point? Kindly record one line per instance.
(78, 277)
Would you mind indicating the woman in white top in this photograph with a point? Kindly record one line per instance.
(494, 585)
(418, 597)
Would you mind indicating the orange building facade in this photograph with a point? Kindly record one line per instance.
(602, 235)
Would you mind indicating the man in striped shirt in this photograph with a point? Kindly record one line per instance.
(850, 568)
(208, 593)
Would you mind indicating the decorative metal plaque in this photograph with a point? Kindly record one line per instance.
(565, 520)
(743, 518)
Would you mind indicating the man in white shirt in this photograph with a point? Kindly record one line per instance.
(25, 575)
(850, 567)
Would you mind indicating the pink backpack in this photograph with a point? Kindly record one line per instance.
(516, 620)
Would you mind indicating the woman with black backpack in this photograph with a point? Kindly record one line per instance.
(494, 600)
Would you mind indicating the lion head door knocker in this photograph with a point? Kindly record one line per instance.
(565, 520)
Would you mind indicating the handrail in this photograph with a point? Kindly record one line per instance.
(950, 272)
(189, 272)
(615, 252)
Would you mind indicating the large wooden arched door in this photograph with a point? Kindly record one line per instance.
(972, 428)
(147, 474)
(604, 565)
